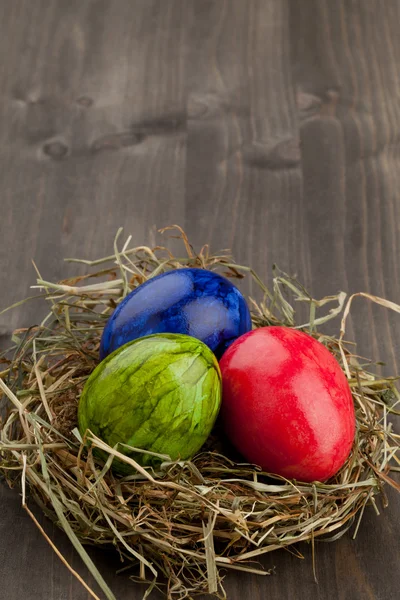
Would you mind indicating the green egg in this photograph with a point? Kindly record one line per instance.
(160, 393)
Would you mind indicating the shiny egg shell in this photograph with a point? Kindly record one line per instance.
(195, 302)
(287, 405)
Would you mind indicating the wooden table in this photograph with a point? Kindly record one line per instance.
(268, 126)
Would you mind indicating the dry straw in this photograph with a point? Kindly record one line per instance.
(181, 528)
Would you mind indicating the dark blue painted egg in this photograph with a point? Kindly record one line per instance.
(196, 302)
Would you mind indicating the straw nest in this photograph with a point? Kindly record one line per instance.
(179, 529)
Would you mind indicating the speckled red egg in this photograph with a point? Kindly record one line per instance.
(287, 405)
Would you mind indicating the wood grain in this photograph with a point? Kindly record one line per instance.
(268, 126)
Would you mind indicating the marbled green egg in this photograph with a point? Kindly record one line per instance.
(160, 393)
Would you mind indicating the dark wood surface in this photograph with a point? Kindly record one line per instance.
(268, 126)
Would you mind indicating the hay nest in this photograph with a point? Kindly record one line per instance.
(181, 527)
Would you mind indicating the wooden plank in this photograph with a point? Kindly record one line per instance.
(243, 171)
(92, 137)
(346, 88)
(344, 57)
(95, 105)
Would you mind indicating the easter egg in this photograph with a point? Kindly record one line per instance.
(287, 405)
(194, 302)
(160, 393)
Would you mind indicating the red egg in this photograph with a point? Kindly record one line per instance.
(287, 405)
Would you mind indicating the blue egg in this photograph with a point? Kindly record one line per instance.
(196, 302)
